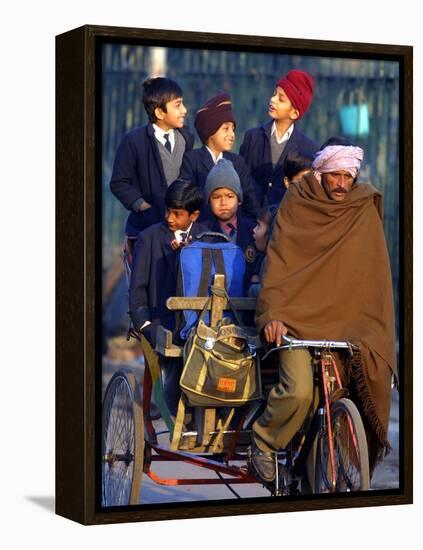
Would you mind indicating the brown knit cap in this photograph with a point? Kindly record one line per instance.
(210, 117)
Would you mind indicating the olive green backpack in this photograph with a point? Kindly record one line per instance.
(221, 368)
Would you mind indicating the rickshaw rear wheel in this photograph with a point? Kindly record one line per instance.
(122, 441)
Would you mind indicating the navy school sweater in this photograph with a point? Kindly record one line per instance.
(256, 152)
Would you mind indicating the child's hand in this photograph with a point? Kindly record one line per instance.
(175, 245)
(144, 206)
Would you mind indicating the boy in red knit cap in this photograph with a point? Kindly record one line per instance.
(215, 125)
(265, 148)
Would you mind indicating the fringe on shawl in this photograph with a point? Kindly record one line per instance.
(377, 441)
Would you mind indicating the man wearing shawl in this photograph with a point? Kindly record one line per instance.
(327, 277)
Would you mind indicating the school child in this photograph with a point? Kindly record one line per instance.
(224, 195)
(154, 266)
(215, 125)
(265, 148)
(262, 233)
(149, 158)
(295, 166)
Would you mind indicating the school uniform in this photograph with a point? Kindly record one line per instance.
(139, 173)
(196, 166)
(153, 281)
(256, 150)
(243, 237)
(153, 278)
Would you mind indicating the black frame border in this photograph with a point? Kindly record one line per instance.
(78, 257)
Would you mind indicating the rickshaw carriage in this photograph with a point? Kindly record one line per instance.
(329, 454)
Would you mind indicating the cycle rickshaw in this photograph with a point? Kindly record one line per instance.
(328, 455)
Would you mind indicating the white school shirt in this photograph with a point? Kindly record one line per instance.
(179, 232)
(159, 135)
(219, 156)
(285, 136)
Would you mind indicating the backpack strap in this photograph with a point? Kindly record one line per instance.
(219, 263)
(179, 314)
(206, 269)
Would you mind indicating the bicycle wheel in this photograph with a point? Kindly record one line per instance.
(123, 441)
(351, 459)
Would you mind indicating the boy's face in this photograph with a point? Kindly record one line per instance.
(174, 117)
(260, 233)
(224, 203)
(280, 108)
(223, 139)
(180, 219)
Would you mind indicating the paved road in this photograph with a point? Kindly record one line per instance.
(385, 476)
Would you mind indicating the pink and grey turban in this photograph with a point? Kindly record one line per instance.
(338, 157)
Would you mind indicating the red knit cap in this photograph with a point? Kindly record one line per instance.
(213, 114)
(298, 86)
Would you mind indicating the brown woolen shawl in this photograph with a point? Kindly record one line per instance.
(328, 276)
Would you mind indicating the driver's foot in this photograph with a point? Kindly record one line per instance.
(263, 463)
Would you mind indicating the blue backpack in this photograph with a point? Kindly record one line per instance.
(198, 262)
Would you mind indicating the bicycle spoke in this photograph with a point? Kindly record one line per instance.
(347, 455)
(350, 452)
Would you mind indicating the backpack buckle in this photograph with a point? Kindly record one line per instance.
(209, 343)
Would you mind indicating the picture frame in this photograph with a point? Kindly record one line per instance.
(78, 275)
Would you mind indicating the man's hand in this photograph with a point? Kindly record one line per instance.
(273, 332)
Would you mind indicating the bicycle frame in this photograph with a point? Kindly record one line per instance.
(321, 420)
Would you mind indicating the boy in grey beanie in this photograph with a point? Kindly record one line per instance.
(223, 174)
(224, 195)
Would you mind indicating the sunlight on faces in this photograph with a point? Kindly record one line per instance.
(173, 117)
(337, 184)
(280, 107)
(180, 219)
(222, 140)
(224, 203)
(260, 233)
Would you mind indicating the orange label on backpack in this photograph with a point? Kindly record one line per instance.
(227, 385)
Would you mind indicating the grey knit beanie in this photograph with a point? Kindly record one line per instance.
(223, 174)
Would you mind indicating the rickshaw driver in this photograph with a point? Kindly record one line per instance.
(327, 277)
